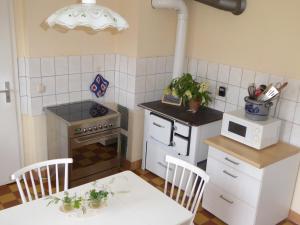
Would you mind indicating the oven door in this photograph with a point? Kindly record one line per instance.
(95, 154)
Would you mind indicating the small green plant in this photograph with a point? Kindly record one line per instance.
(68, 203)
(188, 89)
(96, 198)
(98, 195)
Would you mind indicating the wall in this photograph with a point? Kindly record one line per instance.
(265, 38)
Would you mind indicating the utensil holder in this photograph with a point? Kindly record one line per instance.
(255, 110)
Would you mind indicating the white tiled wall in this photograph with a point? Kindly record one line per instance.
(141, 80)
(58, 80)
(236, 80)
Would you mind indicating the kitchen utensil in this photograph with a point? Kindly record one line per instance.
(280, 86)
(269, 93)
(252, 91)
(260, 90)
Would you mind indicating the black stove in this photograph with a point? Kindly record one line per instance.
(78, 111)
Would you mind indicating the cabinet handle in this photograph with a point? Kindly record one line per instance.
(158, 125)
(164, 166)
(226, 200)
(229, 174)
(231, 161)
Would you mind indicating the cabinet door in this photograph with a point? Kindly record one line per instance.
(227, 207)
(156, 162)
(181, 145)
(182, 129)
(160, 129)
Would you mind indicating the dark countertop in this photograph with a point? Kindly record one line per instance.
(180, 113)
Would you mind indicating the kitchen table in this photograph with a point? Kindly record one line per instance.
(135, 202)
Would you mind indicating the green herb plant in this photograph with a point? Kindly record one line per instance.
(97, 197)
(69, 202)
(188, 89)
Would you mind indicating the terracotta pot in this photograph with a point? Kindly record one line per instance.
(194, 105)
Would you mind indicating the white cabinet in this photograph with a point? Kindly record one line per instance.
(166, 136)
(240, 193)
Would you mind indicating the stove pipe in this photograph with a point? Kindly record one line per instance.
(182, 13)
(237, 7)
(234, 6)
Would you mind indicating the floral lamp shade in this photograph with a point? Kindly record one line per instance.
(87, 14)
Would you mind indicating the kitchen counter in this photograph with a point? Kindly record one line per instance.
(181, 114)
(258, 159)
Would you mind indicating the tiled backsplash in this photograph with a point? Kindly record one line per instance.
(58, 80)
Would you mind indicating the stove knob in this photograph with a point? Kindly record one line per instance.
(90, 129)
(110, 125)
(105, 126)
(95, 128)
(100, 126)
(84, 130)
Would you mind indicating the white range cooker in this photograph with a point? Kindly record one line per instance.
(172, 130)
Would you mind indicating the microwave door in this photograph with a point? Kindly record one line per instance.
(237, 129)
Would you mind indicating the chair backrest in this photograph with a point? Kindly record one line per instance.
(20, 177)
(190, 183)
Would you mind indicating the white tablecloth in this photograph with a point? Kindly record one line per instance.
(135, 203)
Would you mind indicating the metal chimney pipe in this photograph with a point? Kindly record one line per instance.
(237, 7)
(182, 12)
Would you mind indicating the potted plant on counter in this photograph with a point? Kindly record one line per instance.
(193, 93)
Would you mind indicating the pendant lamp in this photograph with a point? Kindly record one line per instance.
(87, 14)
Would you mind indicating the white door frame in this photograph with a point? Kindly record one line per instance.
(16, 81)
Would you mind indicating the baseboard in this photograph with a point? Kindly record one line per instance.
(131, 165)
(294, 217)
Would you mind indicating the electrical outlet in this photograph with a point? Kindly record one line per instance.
(222, 91)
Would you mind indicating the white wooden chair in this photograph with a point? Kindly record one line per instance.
(21, 175)
(193, 187)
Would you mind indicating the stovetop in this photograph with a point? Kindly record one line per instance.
(78, 111)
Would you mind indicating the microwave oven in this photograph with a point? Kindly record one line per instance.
(256, 134)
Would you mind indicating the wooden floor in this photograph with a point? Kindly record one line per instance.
(9, 197)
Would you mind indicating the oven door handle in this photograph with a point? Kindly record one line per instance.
(90, 139)
(81, 141)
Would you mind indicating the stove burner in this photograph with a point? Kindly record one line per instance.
(97, 110)
(79, 111)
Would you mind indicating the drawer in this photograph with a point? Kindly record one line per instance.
(227, 207)
(160, 129)
(235, 163)
(182, 129)
(233, 181)
(156, 161)
(181, 145)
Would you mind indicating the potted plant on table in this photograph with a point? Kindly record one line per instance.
(68, 203)
(193, 93)
(97, 198)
